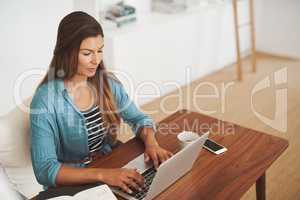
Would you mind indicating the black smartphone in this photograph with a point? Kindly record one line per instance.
(214, 147)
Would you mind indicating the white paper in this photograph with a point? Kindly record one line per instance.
(101, 192)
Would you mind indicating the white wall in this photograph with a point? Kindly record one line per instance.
(27, 38)
(278, 27)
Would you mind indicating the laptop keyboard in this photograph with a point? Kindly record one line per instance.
(148, 176)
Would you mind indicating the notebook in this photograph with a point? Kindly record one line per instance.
(101, 192)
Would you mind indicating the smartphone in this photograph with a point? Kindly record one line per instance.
(214, 147)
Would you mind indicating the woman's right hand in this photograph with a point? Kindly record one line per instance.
(123, 178)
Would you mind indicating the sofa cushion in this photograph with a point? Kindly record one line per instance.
(24, 181)
(15, 141)
(6, 188)
(15, 151)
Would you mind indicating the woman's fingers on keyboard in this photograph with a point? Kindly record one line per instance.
(125, 188)
(137, 177)
(132, 184)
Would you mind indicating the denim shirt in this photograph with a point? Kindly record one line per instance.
(58, 131)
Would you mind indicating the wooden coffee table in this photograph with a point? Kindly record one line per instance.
(227, 176)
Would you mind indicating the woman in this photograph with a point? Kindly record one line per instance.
(77, 109)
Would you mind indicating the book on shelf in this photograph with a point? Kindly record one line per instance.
(120, 10)
(120, 21)
(121, 14)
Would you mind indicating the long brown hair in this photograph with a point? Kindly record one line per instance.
(72, 30)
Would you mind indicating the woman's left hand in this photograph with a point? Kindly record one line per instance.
(156, 154)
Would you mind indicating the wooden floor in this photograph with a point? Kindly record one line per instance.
(283, 178)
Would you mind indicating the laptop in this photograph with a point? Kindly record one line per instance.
(166, 174)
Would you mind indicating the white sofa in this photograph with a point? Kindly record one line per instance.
(16, 173)
(6, 189)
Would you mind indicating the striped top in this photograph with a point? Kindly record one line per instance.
(95, 126)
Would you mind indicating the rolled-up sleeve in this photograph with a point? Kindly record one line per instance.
(43, 148)
(129, 111)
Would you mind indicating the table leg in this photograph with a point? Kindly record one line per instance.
(261, 187)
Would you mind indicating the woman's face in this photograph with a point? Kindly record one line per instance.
(90, 55)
